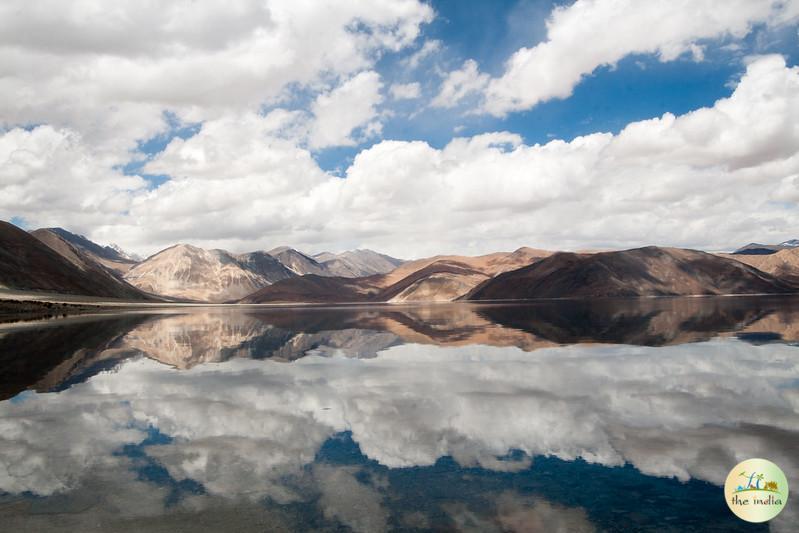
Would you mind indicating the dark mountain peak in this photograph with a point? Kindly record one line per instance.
(357, 263)
(297, 261)
(29, 262)
(756, 248)
(105, 252)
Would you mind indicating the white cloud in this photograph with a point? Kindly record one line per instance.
(405, 91)
(590, 33)
(460, 83)
(711, 178)
(706, 179)
(350, 106)
(108, 69)
(50, 176)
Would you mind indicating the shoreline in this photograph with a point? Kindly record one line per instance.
(17, 307)
(74, 299)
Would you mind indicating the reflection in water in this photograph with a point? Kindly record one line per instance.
(570, 417)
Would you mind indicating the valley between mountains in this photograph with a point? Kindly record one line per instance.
(55, 260)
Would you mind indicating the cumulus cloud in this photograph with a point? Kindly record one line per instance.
(346, 108)
(591, 33)
(110, 69)
(460, 83)
(711, 178)
(51, 176)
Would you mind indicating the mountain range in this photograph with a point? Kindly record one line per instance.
(57, 265)
(649, 271)
(755, 248)
(37, 260)
(58, 261)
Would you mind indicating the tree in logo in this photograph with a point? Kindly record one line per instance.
(753, 482)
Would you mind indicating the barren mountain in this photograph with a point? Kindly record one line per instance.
(298, 262)
(265, 265)
(490, 264)
(71, 245)
(441, 281)
(649, 271)
(185, 271)
(313, 288)
(439, 278)
(357, 263)
(28, 263)
(783, 263)
(756, 248)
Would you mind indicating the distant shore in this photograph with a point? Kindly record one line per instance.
(20, 305)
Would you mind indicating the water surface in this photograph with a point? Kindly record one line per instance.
(604, 416)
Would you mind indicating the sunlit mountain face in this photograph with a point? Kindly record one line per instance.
(578, 416)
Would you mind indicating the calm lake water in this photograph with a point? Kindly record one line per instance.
(610, 416)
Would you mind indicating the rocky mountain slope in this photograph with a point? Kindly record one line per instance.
(756, 248)
(649, 271)
(357, 263)
(439, 278)
(185, 271)
(490, 264)
(28, 263)
(298, 262)
(53, 259)
(783, 264)
(64, 242)
(264, 265)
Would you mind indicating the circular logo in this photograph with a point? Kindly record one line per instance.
(756, 490)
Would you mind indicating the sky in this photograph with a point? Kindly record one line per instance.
(408, 127)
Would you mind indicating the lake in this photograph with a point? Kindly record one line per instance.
(560, 416)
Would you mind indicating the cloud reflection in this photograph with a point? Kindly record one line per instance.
(246, 429)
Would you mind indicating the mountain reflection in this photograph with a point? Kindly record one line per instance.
(451, 417)
(68, 351)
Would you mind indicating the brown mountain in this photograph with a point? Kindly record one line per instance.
(649, 271)
(756, 248)
(783, 263)
(440, 278)
(298, 262)
(185, 271)
(490, 264)
(80, 250)
(357, 263)
(313, 288)
(29, 264)
(441, 281)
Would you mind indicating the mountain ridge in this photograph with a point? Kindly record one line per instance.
(28, 263)
(194, 273)
(57, 260)
(646, 271)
